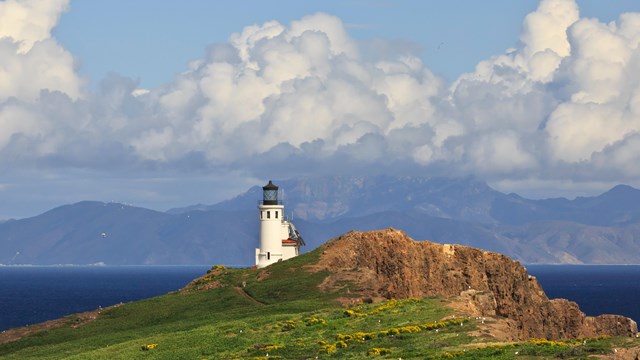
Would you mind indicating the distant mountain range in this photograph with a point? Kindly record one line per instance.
(600, 229)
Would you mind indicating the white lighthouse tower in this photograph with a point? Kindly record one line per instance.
(279, 239)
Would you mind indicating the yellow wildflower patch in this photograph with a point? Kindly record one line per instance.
(272, 347)
(545, 342)
(450, 355)
(379, 351)
(314, 321)
(328, 348)
(353, 313)
(286, 325)
(147, 347)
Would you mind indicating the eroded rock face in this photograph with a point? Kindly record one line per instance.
(389, 264)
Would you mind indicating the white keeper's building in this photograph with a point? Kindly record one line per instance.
(279, 239)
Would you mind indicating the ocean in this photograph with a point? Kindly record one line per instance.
(598, 289)
(32, 294)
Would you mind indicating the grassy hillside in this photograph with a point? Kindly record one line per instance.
(281, 313)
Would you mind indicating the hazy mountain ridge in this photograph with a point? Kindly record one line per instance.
(331, 198)
(599, 229)
(111, 233)
(465, 199)
(617, 206)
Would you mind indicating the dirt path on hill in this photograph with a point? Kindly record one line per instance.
(245, 295)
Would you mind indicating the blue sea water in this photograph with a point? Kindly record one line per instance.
(598, 289)
(29, 295)
(33, 294)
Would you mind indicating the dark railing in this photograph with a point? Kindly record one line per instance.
(261, 202)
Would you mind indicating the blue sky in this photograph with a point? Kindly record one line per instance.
(170, 103)
(151, 41)
(154, 42)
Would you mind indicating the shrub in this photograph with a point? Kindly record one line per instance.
(286, 325)
(353, 313)
(449, 355)
(393, 331)
(272, 347)
(315, 321)
(363, 336)
(328, 348)
(386, 306)
(344, 337)
(545, 342)
(409, 329)
(147, 347)
(378, 351)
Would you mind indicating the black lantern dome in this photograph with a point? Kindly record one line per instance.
(270, 194)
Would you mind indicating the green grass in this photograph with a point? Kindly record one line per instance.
(285, 316)
(572, 349)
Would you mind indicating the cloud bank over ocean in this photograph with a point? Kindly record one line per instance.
(306, 98)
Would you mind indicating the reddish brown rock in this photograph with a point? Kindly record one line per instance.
(389, 264)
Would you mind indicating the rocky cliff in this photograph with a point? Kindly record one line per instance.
(389, 264)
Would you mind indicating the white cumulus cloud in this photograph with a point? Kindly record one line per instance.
(305, 96)
(567, 95)
(30, 59)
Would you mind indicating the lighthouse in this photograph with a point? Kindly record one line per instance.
(279, 239)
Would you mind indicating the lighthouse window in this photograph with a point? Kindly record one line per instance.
(261, 214)
(268, 214)
(268, 255)
(276, 214)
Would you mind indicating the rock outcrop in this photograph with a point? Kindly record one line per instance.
(389, 264)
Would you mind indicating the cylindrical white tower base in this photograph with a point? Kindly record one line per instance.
(270, 250)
